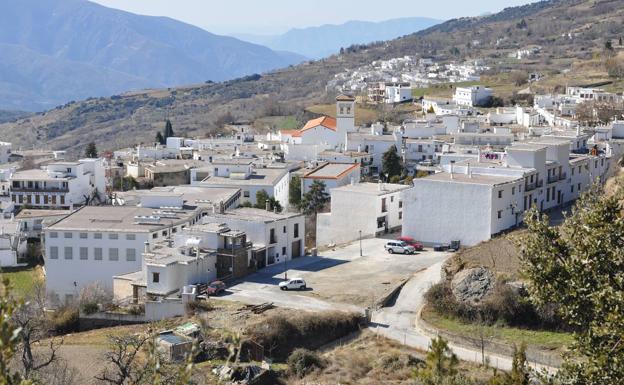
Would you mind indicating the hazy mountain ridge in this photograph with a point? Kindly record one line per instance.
(325, 40)
(111, 51)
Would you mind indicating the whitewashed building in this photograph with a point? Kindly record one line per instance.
(96, 243)
(5, 152)
(363, 209)
(60, 185)
(472, 96)
(332, 175)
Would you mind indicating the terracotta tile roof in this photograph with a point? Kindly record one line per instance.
(325, 121)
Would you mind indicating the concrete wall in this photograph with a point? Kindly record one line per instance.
(436, 212)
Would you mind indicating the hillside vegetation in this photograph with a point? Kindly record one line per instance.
(572, 35)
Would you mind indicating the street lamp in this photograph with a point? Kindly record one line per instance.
(360, 231)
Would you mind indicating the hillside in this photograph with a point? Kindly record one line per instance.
(55, 51)
(572, 34)
(325, 40)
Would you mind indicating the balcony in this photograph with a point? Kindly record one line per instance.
(563, 176)
(40, 189)
(553, 179)
(530, 186)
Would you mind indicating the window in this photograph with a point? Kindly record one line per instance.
(113, 254)
(164, 233)
(130, 237)
(500, 194)
(296, 231)
(53, 234)
(69, 253)
(578, 188)
(174, 230)
(62, 199)
(283, 250)
(572, 188)
(155, 235)
(500, 214)
(246, 194)
(400, 214)
(392, 198)
(84, 235)
(97, 253)
(53, 252)
(284, 230)
(155, 277)
(113, 236)
(68, 235)
(130, 255)
(383, 205)
(272, 238)
(97, 236)
(84, 253)
(400, 204)
(513, 190)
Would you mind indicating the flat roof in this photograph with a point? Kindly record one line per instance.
(121, 219)
(192, 195)
(260, 176)
(331, 171)
(491, 180)
(30, 213)
(526, 146)
(35, 174)
(254, 215)
(372, 188)
(378, 138)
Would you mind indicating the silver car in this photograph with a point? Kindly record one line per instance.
(399, 247)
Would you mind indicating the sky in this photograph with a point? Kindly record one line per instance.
(277, 16)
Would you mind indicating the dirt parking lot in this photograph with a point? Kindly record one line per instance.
(339, 279)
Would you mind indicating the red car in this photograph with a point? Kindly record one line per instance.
(215, 288)
(412, 242)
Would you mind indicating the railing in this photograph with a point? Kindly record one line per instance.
(530, 186)
(40, 189)
(553, 179)
(563, 176)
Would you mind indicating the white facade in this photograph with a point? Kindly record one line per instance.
(5, 152)
(61, 185)
(472, 96)
(398, 94)
(369, 208)
(96, 243)
(282, 235)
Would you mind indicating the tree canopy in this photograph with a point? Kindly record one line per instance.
(579, 266)
(391, 162)
(91, 151)
(315, 199)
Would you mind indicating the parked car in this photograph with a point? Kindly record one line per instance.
(293, 284)
(440, 247)
(215, 288)
(412, 242)
(399, 247)
(454, 245)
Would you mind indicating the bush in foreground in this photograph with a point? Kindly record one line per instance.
(302, 362)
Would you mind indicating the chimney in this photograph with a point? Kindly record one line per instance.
(147, 247)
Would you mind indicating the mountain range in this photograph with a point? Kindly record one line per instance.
(54, 51)
(325, 40)
(571, 34)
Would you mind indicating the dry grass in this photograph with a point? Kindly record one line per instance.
(363, 115)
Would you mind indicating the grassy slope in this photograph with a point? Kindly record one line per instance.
(23, 280)
(546, 340)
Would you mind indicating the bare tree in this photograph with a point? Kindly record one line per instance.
(33, 325)
(122, 355)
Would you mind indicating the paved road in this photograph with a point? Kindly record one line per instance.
(400, 321)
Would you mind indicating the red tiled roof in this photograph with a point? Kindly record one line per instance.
(325, 121)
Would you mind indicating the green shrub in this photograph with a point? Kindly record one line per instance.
(302, 362)
(89, 308)
(280, 335)
(65, 320)
(137, 309)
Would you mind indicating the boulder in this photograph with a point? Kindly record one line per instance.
(473, 285)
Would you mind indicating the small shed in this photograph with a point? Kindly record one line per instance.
(173, 347)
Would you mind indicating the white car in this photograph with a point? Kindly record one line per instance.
(293, 284)
(399, 247)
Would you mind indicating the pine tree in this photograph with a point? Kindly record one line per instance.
(441, 363)
(391, 162)
(159, 138)
(168, 130)
(91, 151)
(294, 191)
(315, 199)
